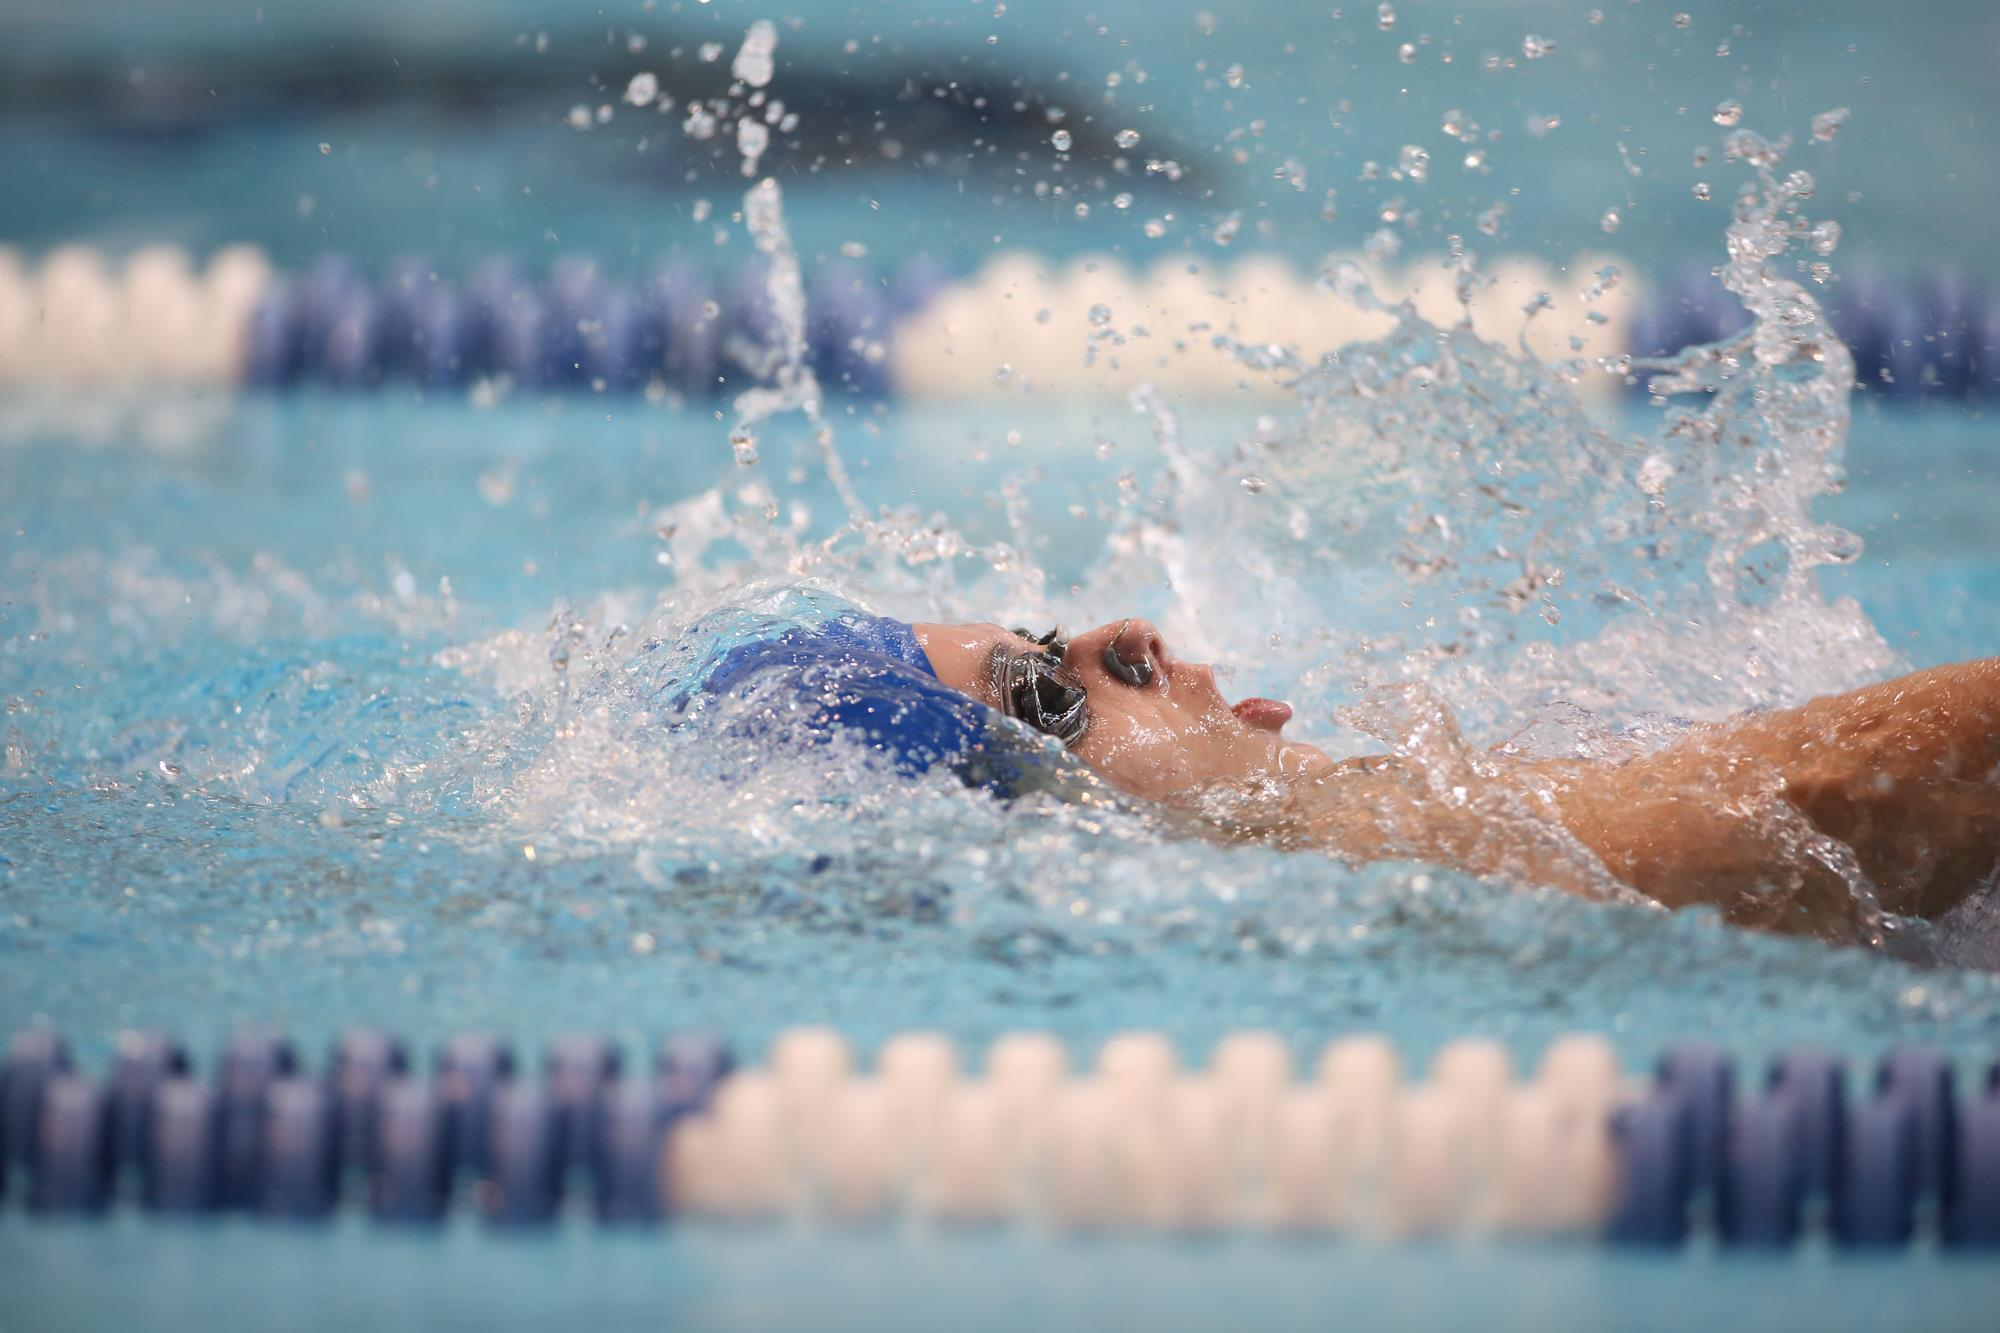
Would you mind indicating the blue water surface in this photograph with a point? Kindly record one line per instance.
(222, 622)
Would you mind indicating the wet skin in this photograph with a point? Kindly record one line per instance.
(1164, 740)
(1778, 819)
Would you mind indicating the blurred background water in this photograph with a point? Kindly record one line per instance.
(447, 127)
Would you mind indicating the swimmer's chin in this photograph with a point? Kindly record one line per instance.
(1299, 763)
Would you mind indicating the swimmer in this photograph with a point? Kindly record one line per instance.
(1816, 819)
(1773, 818)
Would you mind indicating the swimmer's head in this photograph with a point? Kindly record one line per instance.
(1151, 724)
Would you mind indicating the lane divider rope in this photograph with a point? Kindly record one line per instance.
(1352, 1143)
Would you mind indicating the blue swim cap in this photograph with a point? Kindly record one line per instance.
(866, 677)
(820, 668)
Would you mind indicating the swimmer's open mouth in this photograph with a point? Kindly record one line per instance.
(1263, 714)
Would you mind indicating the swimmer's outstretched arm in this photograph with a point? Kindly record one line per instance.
(1773, 818)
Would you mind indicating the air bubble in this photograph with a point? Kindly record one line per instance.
(325, 149)
(1407, 53)
(1062, 139)
(1385, 16)
(1155, 228)
(579, 117)
(1609, 222)
(1824, 237)
(1100, 315)
(1253, 484)
(744, 446)
(1127, 139)
(1534, 47)
(1414, 162)
(1701, 191)
(1827, 124)
(1682, 20)
(1728, 112)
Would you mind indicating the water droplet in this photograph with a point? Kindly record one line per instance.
(1127, 139)
(752, 138)
(1827, 124)
(1654, 474)
(1609, 222)
(1728, 112)
(1382, 245)
(1062, 140)
(754, 64)
(1385, 16)
(643, 88)
(1534, 47)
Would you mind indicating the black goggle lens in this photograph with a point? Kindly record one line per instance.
(1035, 696)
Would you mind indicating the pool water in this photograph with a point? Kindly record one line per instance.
(261, 659)
(246, 731)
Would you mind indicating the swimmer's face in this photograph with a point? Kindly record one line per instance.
(1153, 725)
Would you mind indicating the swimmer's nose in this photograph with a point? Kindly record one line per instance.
(1133, 652)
